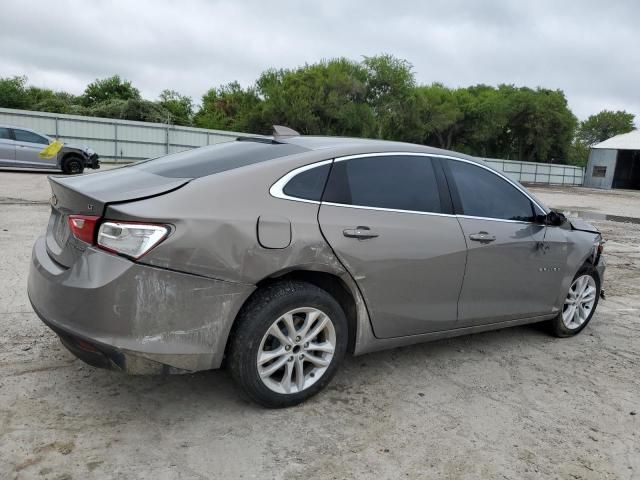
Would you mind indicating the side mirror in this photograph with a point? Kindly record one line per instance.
(554, 218)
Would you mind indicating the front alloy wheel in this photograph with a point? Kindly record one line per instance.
(579, 302)
(579, 305)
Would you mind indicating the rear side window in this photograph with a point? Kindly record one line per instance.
(204, 161)
(399, 182)
(26, 136)
(308, 184)
(4, 134)
(485, 194)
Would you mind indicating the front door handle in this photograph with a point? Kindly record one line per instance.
(483, 237)
(361, 233)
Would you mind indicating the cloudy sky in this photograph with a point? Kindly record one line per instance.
(587, 48)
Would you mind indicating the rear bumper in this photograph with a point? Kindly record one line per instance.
(114, 313)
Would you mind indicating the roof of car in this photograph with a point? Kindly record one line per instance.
(346, 146)
(17, 127)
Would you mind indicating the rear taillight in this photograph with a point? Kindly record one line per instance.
(83, 227)
(130, 239)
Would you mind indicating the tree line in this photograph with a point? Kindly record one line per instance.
(377, 97)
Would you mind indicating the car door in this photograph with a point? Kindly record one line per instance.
(7, 148)
(28, 147)
(510, 273)
(388, 219)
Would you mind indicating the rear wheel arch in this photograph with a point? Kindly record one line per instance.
(328, 282)
(289, 341)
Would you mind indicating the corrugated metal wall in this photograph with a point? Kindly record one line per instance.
(116, 140)
(601, 157)
(127, 141)
(544, 173)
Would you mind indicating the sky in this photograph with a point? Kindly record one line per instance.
(588, 49)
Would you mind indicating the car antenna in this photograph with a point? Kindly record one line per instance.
(280, 131)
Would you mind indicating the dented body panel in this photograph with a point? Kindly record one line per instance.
(168, 317)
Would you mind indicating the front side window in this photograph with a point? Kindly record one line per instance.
(485, 194)
(4, 134)
(399, 182)
(26, 136)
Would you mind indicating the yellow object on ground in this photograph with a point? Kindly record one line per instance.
(51, 150)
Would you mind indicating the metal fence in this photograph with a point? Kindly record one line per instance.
(543, 173)
(116, 140)
(128, 141)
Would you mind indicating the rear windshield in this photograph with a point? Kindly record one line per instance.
(204, 161)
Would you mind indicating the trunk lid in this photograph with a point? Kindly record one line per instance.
(89, 195)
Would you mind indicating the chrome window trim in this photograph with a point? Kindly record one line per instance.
(417, 212)
(472, 217)
(277, 188)
(382, 209)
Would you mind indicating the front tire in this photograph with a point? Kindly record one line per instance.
(579, 305)
(72, 165)
(288, 344)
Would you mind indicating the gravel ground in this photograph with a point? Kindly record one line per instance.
(514, 404)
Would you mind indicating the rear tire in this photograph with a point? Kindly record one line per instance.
(580, 304)
(72, 165)
(288, 343)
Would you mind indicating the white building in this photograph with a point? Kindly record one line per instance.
(615, 163)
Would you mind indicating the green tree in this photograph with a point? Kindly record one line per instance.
(435, 117)
(601, 126)
(540, 125)
(230, 107)
(598, 128)
(131, 109)
(578, 154)
(328, 98)
(390, 86)
(180, 107)
(108, 89)
(13, 92)
(45, 100)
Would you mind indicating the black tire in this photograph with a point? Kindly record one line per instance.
(72, 165)
(261, 311)
(557, 326)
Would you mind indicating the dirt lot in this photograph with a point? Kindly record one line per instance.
(514, 404)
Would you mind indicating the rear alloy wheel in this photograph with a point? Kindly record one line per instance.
(288, 343)
(73, 165)
(580, 304)
(296, 350)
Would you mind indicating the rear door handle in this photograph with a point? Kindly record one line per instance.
(361, 233)
(483, 237)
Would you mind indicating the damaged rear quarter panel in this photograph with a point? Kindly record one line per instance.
(216, 226)
(215, 236)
